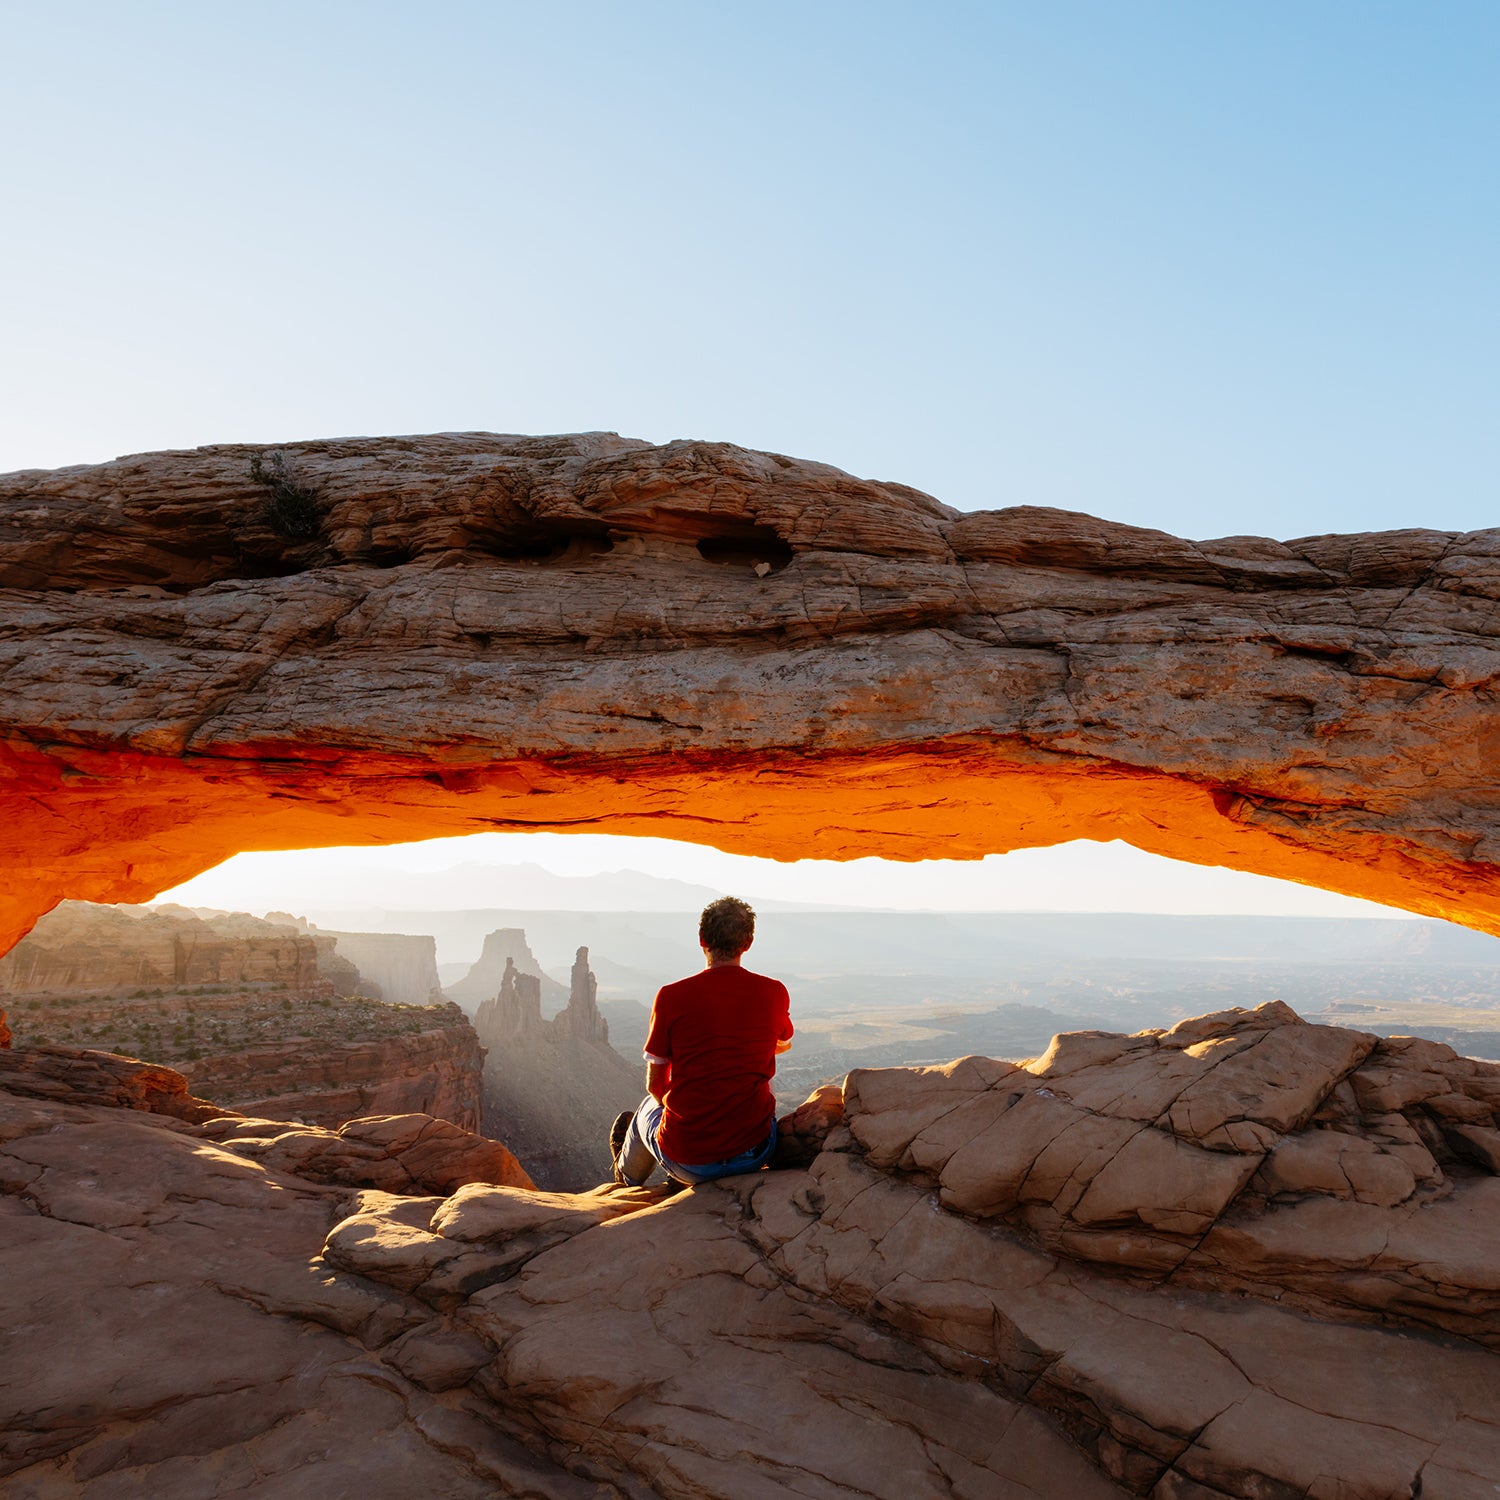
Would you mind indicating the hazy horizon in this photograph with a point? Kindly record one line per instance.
(550, 871)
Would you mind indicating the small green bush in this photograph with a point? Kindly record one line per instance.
(291, 510)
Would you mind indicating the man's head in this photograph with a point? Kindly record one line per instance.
(726, 929)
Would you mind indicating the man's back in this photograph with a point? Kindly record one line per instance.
(719, 1030)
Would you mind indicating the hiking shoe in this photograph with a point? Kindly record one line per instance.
(616, 1140)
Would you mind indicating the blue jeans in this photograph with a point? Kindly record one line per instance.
(640, 1155)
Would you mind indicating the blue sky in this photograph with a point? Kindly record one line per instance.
(1213, 268)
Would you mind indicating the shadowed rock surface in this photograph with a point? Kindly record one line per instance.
(700, 641)
(1109, 1272)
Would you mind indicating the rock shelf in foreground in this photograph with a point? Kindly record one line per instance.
(1248, 1258)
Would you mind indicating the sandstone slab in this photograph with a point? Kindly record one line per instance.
(833, 1330)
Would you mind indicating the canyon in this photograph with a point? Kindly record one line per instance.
(700, 641)
(552, 1088)
(1246, 1257)
(259, 1015)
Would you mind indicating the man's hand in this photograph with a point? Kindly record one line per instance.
(783, 1046)
(658, 1076)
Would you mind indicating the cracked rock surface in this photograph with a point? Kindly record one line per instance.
(1247, 1257)
(391, 638)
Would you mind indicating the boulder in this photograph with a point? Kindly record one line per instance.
(396, 1153)
(76, 1075)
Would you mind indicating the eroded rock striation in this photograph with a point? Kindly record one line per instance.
(705, 642)
(413, 1060)
(1247, 1257)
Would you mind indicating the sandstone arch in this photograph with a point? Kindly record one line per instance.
(372, 640)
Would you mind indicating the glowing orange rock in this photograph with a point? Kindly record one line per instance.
(373, 640)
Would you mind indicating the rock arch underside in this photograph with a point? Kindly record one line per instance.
(1248, 1257)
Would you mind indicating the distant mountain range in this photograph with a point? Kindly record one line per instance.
(533, 888)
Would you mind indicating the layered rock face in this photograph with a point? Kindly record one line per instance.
(83, 949)
(433, 1065)
(956, 1296)
(552, 1088)
(699, 641)
(316, 1059)
(269, 1035)
(395, 966)
(503, 950)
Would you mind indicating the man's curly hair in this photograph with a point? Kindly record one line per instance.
(727, 927)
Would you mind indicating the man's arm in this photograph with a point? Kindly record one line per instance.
(658, 1076)
(658, 1052)
(784, 1041)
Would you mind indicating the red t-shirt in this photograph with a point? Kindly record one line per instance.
(719, 1031)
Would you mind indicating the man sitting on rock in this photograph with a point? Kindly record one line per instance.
(710, 1055)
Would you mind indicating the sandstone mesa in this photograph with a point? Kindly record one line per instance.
(369, 640)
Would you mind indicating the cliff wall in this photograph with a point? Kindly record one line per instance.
(316, 1057)
(403, 965)
(396, 966)
(80, 948)
(436, 1068)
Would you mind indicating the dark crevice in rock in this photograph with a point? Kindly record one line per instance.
(543, 546)
(755, 547)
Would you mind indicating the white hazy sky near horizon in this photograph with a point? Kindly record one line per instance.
(1066, 877)
(1212, 269)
